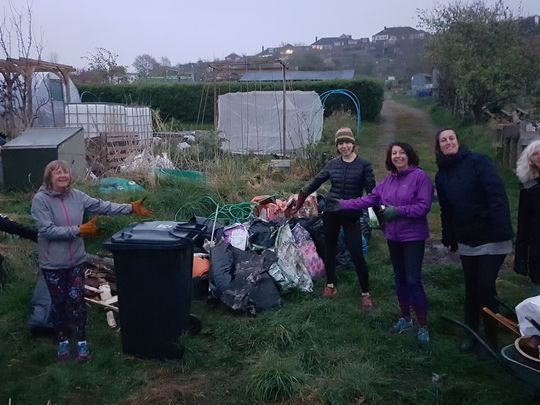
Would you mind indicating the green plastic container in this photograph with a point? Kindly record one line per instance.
(110, 185)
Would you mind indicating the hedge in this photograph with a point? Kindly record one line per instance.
(193, 102)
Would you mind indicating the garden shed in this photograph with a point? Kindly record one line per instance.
(421, 85)
(25, 157)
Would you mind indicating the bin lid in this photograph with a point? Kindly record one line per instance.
(155, 235)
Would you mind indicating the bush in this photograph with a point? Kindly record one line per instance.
(193, 103)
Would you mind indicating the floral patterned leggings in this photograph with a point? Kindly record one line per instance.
(68, 309)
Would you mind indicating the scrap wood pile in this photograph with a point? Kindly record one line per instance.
(507, 115)
(100, 285)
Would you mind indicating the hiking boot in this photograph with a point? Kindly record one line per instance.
(329, 292)
(423, 335)
(367, 302)
(83, 352)
(63, 351)
(402, 326)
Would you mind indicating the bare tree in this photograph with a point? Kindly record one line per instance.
(17, 40)
(164, 61)
(104, 63)
(145, 64)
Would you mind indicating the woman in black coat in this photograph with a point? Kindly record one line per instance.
(14, 228)
(475, 222)
(527, 259)
(349, 175)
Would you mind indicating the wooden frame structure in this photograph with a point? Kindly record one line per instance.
(19, 72)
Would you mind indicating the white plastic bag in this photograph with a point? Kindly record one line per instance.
(529, 308)
(373, 220)
(290, 263)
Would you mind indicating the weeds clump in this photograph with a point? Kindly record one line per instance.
(274, 378)
(354, 382)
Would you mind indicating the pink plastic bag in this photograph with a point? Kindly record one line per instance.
(308, 251)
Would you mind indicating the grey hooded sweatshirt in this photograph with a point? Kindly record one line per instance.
(58, 216)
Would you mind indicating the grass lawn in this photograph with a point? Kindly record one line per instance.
(310, 351)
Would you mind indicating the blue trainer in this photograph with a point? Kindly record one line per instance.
(423, 335)
(63, 350)
(83, 352)
(402, 326)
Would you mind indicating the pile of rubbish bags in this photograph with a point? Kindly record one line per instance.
(253, 264)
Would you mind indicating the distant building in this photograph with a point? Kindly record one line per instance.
(421, 85)
(395, 35)
(343, 41)
(280, 52)
(395, 40)
(234, 57)
(297, 75)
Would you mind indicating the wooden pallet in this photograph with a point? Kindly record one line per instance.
(108, 151)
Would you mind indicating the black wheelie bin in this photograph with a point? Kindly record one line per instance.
(153, 263)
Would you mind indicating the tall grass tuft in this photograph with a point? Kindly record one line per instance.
(274, 378)
(355, 382)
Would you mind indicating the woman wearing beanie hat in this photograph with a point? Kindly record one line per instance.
(349, 175)
(345, 135)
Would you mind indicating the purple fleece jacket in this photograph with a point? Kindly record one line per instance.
(411, 192)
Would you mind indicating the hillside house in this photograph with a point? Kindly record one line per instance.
(331, 43)
(234, 57)
(394, 40)
(280, 52)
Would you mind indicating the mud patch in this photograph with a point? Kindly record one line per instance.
(437, 254)
(168, 387)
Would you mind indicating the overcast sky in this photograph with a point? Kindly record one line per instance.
(186, 31)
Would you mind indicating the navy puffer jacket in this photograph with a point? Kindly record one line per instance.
(347, 179)
(474, 205)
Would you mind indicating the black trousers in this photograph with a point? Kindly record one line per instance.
(480, 274)
(332, 223)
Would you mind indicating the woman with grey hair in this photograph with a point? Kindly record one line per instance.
(58, 210)
(527, 258)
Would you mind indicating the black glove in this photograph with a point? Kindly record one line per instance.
(452, 245)
(300, 200)
(390, 213)
(332, 204)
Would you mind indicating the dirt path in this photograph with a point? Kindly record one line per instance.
(397, 117)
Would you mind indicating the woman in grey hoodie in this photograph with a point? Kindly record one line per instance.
(58, 211)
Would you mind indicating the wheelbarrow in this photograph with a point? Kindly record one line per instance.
(509, 357)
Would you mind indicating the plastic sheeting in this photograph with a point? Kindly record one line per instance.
(252, 122)
(97, 118)
(48, 98)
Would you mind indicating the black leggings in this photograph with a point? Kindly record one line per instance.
(332, 224)
(480, 274)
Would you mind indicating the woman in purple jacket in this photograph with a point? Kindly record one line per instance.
(407, 194)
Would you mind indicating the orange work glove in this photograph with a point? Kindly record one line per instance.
(138, 209)
(89, 228)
